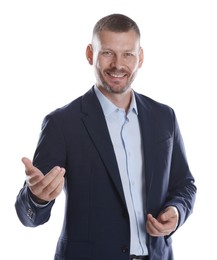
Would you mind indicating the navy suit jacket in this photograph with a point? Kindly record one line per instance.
(96, 223)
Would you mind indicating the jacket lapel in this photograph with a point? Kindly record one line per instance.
(96, 126)
(148, 134)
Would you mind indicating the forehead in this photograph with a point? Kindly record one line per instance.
(116, 40)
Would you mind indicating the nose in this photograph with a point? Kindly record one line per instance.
(118, 62)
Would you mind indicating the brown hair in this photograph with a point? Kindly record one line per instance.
(116, 23)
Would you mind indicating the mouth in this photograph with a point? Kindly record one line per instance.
(117, 75)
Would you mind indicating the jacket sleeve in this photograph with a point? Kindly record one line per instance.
(48, 151)
(182, 190)
(28, 212)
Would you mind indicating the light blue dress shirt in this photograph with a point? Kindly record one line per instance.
(126, 139)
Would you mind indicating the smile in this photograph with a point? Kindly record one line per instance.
(117, 75)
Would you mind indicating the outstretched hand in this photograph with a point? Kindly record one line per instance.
(164, 224)
(44, 188)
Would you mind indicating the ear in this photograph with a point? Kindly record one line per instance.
(141, 57)
(89, 54)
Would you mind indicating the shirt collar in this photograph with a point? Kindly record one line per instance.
(108, 107)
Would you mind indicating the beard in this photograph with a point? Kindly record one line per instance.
(115, 89)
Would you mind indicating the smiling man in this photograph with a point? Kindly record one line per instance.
(116, 56)
(118, 155)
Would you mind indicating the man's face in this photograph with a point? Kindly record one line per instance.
(116, 57)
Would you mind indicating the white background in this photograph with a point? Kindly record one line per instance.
(43, 66)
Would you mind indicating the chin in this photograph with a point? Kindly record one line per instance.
(115, 89)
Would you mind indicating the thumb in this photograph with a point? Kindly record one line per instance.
(29, 168)
(168, 213)
(26, 161)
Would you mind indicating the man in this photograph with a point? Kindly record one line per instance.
(119, 156)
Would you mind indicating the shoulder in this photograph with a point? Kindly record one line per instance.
(159, 116)
(152, 105)
(74, 108)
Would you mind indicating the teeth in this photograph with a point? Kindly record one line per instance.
(117, 76)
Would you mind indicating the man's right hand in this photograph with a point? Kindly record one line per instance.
(44, 188)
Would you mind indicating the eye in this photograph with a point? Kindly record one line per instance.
(128, 54)
(107, 53)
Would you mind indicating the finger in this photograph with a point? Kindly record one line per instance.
(53, 179)
(150, 226)
(57, 191)
(168, 213)
(162, 228)
(33, 175)
(30, 169)
(153, 231)
(55, 173)
(27, 162)
(51, 190)
(155, 228)
(49, 182)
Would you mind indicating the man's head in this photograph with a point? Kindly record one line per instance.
(115, 52)
(116, 23)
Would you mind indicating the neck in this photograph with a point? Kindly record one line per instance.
(121, 100)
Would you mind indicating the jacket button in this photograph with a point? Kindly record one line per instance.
(125, 249)
(30, 213)
(124, 214)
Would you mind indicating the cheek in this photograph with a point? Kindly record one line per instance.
(98, 66)
(134, 67)
(138, 64)
(102, 64)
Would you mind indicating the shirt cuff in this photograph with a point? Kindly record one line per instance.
(37, 204)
